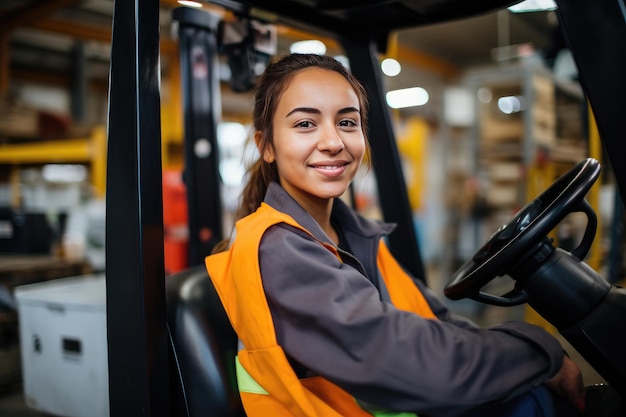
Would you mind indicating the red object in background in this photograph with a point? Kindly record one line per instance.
(52, 125)
(174, 198)
(175, 255)
(175, 230)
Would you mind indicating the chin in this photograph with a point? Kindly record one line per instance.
(333, 194)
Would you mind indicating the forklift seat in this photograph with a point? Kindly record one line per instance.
(203, 346)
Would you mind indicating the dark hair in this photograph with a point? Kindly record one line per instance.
(269, 89)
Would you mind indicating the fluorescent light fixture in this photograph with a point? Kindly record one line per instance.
(344, 60)
(407, 97)
(511, 104)
(190, 3)
(390, 67)
(308, 47)
(533, 6)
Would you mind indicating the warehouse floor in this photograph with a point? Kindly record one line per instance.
(12, 404)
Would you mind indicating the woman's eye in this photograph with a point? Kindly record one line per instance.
(347, 123)
(304, 124)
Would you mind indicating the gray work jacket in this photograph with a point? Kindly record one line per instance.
(336, 320)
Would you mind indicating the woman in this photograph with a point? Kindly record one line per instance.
(329, 324)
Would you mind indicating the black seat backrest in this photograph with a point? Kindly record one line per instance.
(203, 348)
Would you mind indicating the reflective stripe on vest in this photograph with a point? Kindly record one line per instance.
(248, 385)
(245, 382)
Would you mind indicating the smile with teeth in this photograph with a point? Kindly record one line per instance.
(330, 165)
(330, 168)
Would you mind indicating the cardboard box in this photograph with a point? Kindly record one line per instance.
(63, 344)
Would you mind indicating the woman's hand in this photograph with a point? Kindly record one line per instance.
(568, 382)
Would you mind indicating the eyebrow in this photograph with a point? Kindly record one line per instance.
(316, 111)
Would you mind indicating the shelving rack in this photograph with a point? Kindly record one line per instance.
(520, 153)
(91, 151)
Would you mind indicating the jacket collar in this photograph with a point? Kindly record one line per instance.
(279, 199)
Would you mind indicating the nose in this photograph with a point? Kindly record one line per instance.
(330, 140)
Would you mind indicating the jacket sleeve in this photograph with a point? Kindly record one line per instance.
(330, 319)
(441, 311)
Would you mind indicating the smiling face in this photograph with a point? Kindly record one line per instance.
(318, 142)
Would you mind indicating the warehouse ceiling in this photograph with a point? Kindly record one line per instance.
(43, 38)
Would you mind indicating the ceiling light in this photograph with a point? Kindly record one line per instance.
(344, 60)
(390, 67)
(533, 6)
(308, 47)
(407, 97)
(190, 3)
(511, 104)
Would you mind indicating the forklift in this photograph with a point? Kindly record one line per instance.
(169, 341)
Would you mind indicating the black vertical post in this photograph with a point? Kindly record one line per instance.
(135, 277)
(198, 47)
(79, 83)
(595, 32)
(393, 195)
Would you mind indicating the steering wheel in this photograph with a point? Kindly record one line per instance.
(512, 243)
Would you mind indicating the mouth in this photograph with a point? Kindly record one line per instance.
(329, 166)
(330, 169)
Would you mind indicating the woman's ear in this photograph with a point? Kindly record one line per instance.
(268, 153)
(257, 139)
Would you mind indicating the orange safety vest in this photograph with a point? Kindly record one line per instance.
(267, 383)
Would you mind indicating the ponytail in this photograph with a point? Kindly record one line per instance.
(260, 175)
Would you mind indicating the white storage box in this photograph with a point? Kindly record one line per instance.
(63, 343)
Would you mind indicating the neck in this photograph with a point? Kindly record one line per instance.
(321, 214)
